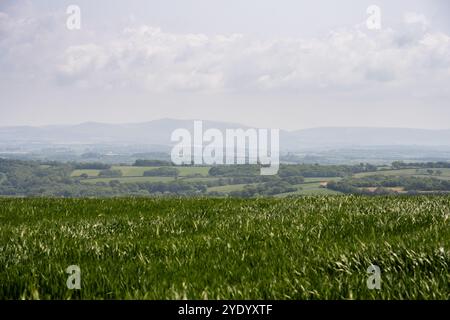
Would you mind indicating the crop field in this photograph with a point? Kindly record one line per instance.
(130, 179)
(131, 171)
(298, 248)
(131, 174)
(133, 179)
(445, 173)
(89, 172)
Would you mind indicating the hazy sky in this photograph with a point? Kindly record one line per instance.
(281, 63)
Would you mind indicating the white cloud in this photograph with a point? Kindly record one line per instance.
(416, 18)
(149, 59)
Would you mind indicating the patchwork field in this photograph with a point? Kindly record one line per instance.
(131, 174)
(445, 173)
(299, 248)
(316, 180)
(131, 171)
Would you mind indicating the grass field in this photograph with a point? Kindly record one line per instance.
(305, 248)
(231, 187)
(310, 187)
(130, 179)
(132, 174)
(131, 171)
(89, 172)
(408, 172)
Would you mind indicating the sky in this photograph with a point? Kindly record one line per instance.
(288, 64)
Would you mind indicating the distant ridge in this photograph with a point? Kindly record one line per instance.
(157, 132)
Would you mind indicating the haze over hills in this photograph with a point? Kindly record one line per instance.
(341, 137)
(155, 132)
(158, 132)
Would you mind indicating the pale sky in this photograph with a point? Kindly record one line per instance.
(286, 64)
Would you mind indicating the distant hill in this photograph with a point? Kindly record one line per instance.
(152, 132)
(158, 132)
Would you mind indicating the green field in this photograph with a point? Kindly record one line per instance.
(230, 187)
(310, 187)
(131, 174)
(131, 171)
(130, 179)
(299, 248)
(408, 172)
(89, 172)
(139, 171)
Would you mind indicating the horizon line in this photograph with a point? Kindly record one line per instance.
(209, 120)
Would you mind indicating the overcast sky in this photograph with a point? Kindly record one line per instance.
(287, 64)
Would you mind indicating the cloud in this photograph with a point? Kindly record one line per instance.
(416, 18)
(81, 62)
(149, 59)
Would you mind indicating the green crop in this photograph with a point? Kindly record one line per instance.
(299, 248)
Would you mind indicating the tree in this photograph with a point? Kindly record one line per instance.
(114, 183)
(2, 177)
(398, 164)
(92, 165)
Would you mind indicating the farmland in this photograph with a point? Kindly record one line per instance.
(157, 178)
(191, 174)
(310, 185)
(300, 248)
(399, 181)
(131, 171)
(445, 173)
